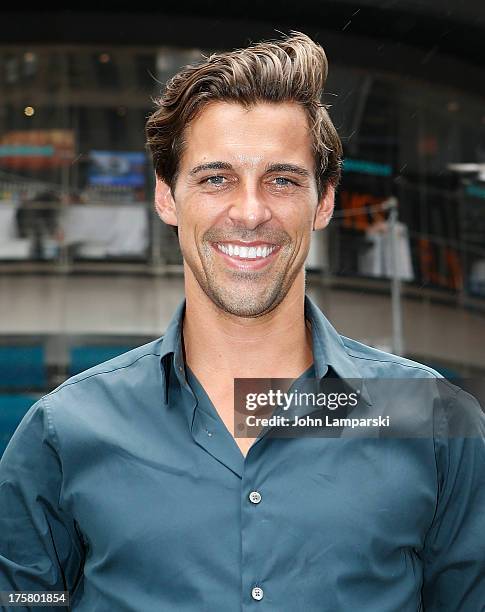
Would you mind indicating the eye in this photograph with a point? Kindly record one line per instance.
(282, 181)
(214, 180)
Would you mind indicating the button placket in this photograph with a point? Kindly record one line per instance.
(254, 522)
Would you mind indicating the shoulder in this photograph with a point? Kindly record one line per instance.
(109, 379)
(376, 363)
(99, 405)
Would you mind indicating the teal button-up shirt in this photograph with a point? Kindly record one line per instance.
(124, 487)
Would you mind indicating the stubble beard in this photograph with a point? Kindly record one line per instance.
(246, 294)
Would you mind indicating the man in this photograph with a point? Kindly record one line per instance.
(127, 485)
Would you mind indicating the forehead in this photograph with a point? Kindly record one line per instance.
(250, 136)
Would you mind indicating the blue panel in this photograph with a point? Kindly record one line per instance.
(366, 167)
(22, 367)
(84, 357)
(12, 410)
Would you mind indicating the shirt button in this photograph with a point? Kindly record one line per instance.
(257, 593)
(255, 497)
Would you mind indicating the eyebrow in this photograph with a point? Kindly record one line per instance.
(215, 165)
(220, 165)
(287, 168)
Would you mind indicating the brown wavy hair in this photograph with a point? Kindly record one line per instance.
(293, 69)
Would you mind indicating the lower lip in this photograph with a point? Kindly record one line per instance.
(247, 264)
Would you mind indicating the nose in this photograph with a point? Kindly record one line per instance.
(249, 209)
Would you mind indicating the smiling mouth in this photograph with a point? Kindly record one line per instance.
(245, 253)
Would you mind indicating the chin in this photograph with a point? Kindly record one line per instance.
(247, 306)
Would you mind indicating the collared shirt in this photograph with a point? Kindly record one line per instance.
(124, 487)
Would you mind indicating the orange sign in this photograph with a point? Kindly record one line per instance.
(36, 149)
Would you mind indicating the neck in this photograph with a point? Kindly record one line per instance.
(275, 345)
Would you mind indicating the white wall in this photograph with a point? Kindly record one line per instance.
(143, 305)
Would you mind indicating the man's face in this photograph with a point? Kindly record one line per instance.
(245, 203)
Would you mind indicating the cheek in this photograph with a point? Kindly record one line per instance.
(191, 232)
(297, 221)
(200, 213)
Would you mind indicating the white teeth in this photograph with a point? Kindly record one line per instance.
(246, 252)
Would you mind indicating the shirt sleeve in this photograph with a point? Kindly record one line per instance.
(40, 546)
(454, 555)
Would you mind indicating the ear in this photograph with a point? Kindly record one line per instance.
(325, 207)
(164, 202)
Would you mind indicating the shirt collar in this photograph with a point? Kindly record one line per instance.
(171, 348)
(328, 349)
